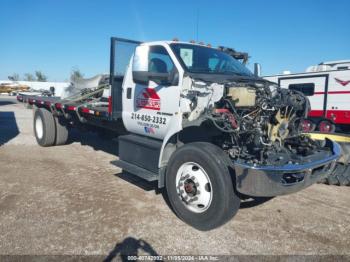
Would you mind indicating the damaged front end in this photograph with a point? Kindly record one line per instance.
(260, 127)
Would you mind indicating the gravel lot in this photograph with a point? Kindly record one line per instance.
(71, 200)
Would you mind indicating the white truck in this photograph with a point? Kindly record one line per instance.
(327, 86)
(196, 120)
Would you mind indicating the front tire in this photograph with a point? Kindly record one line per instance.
(199, 186)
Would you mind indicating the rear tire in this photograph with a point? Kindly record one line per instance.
(44, 127)
(62, 131)
(199, 186)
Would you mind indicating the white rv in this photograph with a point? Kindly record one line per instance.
(328, 87)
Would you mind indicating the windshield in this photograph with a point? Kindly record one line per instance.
(201, 59)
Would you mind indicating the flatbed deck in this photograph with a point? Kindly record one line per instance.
(66, 106)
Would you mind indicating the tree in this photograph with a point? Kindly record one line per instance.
(29, 77)
(40, 76)
(75, 75)
(14, 77)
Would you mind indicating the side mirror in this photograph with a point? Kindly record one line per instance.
(257, 69)
(140, 65)
(140, 69)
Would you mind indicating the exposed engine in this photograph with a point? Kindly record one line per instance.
(262, 123)
(259, 121)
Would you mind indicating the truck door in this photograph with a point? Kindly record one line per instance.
(152, 108)
(121, 52)
(314, 87)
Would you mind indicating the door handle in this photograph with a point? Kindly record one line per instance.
(128, 93)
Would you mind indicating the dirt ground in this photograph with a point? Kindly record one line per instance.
(71, 200)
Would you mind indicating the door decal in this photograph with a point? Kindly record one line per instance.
(148, 99)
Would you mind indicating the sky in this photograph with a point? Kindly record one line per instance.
(58, 36)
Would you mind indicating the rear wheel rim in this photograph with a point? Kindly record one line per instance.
(194, 187)
(39, 127)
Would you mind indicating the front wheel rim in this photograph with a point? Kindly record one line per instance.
(194, 187)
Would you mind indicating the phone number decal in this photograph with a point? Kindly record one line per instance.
(147, 118)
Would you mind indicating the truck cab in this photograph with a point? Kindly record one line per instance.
(187, 106)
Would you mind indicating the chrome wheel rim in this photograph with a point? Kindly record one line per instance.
(194, 187)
